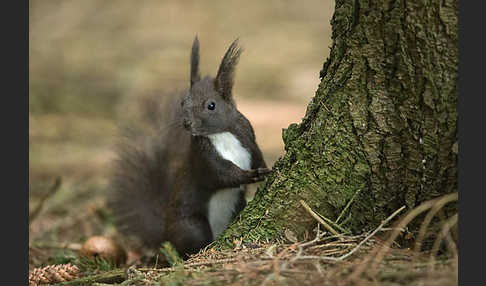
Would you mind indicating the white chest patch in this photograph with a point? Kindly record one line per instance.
(223, 203)
(230, 149)
(221, 208)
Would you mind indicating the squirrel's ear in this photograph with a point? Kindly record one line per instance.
(195, 76)
(226, 71)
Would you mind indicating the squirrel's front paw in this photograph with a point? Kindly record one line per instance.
(258, 175)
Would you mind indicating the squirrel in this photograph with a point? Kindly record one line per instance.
(184, 180)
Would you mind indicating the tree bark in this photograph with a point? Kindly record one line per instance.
(382, 125)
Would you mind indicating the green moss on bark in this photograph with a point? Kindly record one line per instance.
(383, 121)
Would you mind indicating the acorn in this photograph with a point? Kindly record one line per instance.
(105, 248)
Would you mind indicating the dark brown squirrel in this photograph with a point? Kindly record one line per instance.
(184, 181)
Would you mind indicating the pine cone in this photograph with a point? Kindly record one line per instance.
(53, 274)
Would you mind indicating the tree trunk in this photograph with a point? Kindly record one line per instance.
(382, 125)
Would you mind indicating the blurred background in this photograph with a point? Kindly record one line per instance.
(90, 60)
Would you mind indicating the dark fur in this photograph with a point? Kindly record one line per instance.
(167, 171)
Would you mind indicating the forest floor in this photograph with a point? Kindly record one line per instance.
(313, 262)
(90, 60)
(70, 165)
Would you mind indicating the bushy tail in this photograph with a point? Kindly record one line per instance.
(138, 187)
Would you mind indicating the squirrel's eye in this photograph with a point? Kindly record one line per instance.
(211, 105)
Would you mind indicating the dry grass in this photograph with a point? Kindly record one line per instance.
(367, 259)
(305, 263)
(300, 263)
(373, 258)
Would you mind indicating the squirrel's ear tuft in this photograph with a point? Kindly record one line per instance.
(226, 71)
(195, 76)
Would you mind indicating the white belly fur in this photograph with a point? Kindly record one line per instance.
(223, 203)
(221, 208)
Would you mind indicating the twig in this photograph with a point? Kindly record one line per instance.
(377, 254)
(340, 258)
(156, 261)
(130, 281)
(188, 265)
(347, 205)
(116, 276)
(316, 239)
(147, 269)
(52, 191)
(59, 245)
(219, 261)
(392, 228)
(330, 222)
(443, 233)
(313, 257)
(373, 233)
(406, 220)
(275, 275)
(320, 220)
(442, 201)
(323, 105)
(305, 244)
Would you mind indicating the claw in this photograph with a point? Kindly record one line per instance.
(264, 171)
